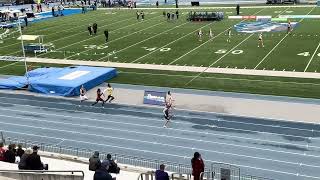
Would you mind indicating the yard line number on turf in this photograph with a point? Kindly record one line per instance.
(223, 51)
(156, 48)
(306, 54)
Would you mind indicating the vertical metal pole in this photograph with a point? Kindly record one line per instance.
(23, 52)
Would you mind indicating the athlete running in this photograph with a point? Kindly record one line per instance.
(168, 108)
(83, 92)
(260, 40)
(99, 97)
(109, 92)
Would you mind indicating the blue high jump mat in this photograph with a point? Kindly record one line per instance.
(61, 81)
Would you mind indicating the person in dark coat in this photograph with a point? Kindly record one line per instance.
(157, 4)
(138, 15)
(20, 151)
(238, 9)
(177, 14)
(9, 155)
(197, 166)
(161, 174)
(106, 34)
(90, 30)
(26, 20)
(113, 166)
(52, 10)
(23, 160)
(33, 161)
(168, 16)
(142, 15)
(94, 161)
(95, 28)
(102, 172)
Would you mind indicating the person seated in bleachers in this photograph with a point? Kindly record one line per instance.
(113, 165)
(102, 172)
(161, 174)
(20, 151)
(2, 151)
(23, 159)
(9, 155)
(94, 161)
(34, 161)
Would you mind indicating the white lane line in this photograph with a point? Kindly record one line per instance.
(198, 75)
(161, 144)
(314, 53)
(170, 43)
(179, 130)
(144, 40)
(151, 134)
(160, 153)
(148, 27)
(265, 57)
(89, 39)
(160, 114)
(177, 59)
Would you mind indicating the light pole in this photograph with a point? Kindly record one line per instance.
(23, 51)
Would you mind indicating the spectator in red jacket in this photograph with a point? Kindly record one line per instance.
(197, 166)
(2, 151)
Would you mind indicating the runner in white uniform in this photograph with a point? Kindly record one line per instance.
(200, 35)
(210, 33)
(229, 36)
(260, 40)
(83, 92)
(168, 107)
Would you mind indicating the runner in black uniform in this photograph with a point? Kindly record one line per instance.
(99, 98)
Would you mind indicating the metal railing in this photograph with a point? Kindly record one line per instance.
(207, 175)
(220, 170)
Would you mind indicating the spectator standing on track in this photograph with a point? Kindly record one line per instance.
(238, 9)
(2, 151)
(108, 91)
(197, 166)
(83, 93)
(9, 155)
(161, 174)
(106, 34)
(90, 30)
(138, 15)
(33, 161)
(102, 172)
(94, 161)
(99, 98)
(23, 160)
(95, 28)
(20, 151)
(113, 166)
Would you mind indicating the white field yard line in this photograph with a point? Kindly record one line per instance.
(149, 27)
(144, 40)
(314, 53)
(171, 42)
(218, 78)
(198, 75)
(207, 41)
(66, 37)
(265, 57)
(57, 31)
(109, 32)
(225, 55)
(10, 64)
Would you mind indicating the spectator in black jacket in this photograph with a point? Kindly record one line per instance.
(94, 161)
(9, 155)
(20, 151)
(23, 160)
(113, 166)
(34, 161)
(102, 172)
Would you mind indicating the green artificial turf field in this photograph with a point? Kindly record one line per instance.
(158, 41)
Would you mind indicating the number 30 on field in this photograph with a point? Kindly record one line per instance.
(306, 54)
(223, 51)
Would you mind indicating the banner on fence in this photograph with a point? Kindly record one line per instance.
(154, 97)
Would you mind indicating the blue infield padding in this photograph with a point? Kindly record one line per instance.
(15, 82)
(60, 81)
(67, 81)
